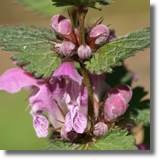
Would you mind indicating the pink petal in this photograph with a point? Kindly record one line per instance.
(41, 124)
(100, 129)
(79, 123)
(122, 90)
(41, 100)
(14, 79)
(68, 70)
(68, 122)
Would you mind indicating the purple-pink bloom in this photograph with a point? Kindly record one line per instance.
(74, 95)
(49, 96)
(117, 101)
(40, 99)
(67, 49)
(100, 129)
(84, 51)
(100, 32)
(60, 24)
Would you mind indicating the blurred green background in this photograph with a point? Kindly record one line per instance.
(16, 125)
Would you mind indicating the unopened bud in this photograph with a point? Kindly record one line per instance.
(67, 49)
(100, 129)
(123, 91)
(114, 107)
(102, 31)
(84, 51)
(60, 24)
(68, 136)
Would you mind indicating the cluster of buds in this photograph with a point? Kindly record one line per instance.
(70, 45)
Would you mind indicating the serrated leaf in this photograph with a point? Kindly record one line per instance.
(115, 140)
(34, 47)
(40, 6)
(140, 109)
(97, 4)
(111, 54)
(61, 145)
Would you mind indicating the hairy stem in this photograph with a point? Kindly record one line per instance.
(82, 13)
(87, 83)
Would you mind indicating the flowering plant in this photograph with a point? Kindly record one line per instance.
(68, 68)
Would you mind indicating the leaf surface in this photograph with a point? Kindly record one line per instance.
(115, 140)
(97, 4)
(111, 54)
(34, 46)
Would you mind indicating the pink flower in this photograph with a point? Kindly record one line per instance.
(84, 51)
(63, 27)
(100, 129)
(101, 33)
(75, 97)
(67, 49)
(98, 36)
(48, 96)
(117, 101)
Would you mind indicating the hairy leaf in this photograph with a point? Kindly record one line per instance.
(114, 140)
(140, 109)
(111, 54)
(61, 145)
(97, 4)
(40, 6)
(34, 47)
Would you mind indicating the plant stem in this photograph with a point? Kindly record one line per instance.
(87, 83)
(86, 80)
(82, 13)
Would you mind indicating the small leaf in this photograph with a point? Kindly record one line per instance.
(140, 109)
(34, 47)
(40, 6)
(113, 140)
(97, 4)
(111, 54)
(61, 145)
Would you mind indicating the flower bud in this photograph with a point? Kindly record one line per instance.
(100, 129)
(60, 24)
(68, 136)
(102, 31)
(123, 91)
(115, 106)
(67, 48)
(84, 51)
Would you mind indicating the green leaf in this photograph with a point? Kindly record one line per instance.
(97, 4)
(61, 145)
(40, 6)
(111, 54)
(34, 47)
(113, 140)
(140, 109)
